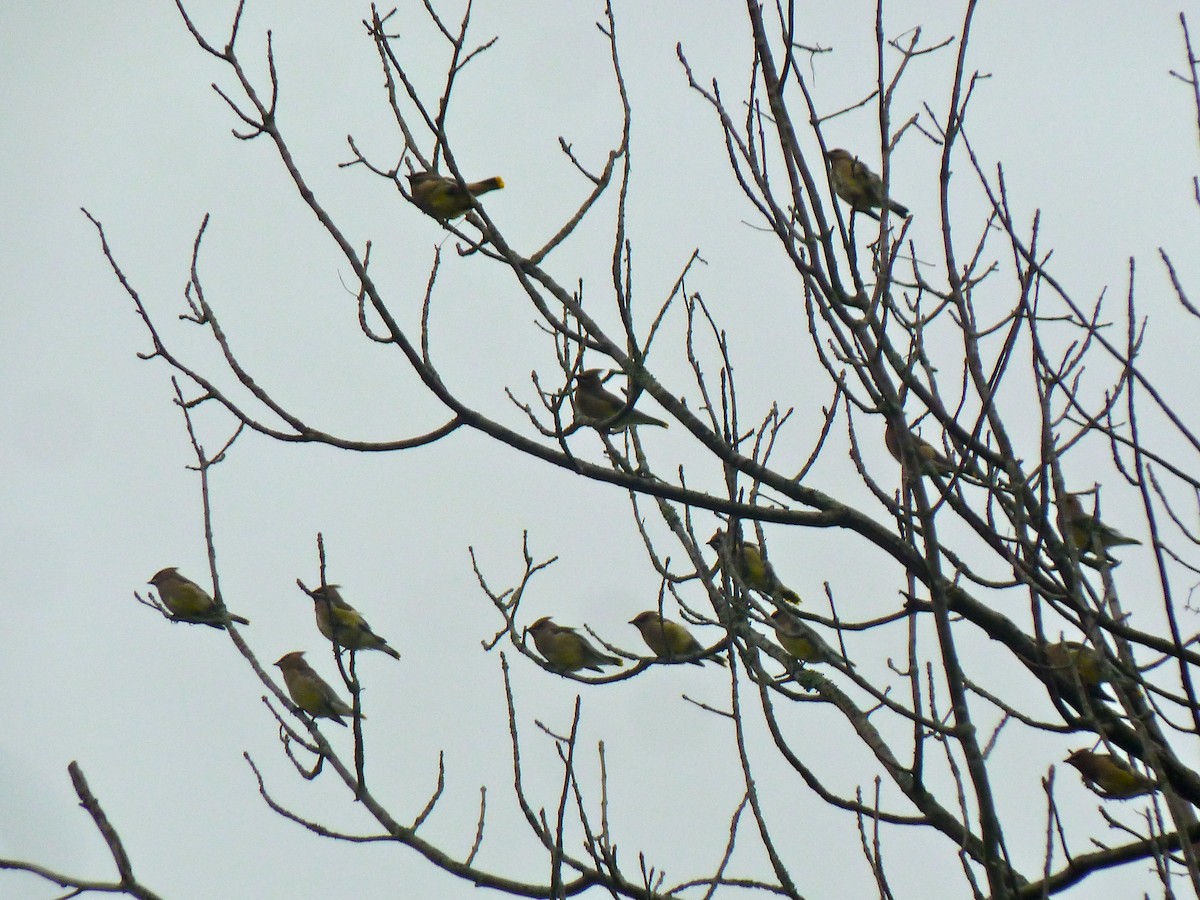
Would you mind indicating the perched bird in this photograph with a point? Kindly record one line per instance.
(1078, 663)
(443, 198)
(1110, 777)
(601, 408)
(309, 691)
(859, 186)
(799, 639)
(344, 625)
(754, 571)
(1081, 528)
(566, 650)
(668, 640)
(188, 602)
(932, 462)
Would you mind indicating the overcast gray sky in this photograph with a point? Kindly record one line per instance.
(109, 107)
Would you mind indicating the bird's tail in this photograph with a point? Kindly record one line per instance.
(789, 595)
(233, 617)
(389, 651)
(898, 208)
(482, 187)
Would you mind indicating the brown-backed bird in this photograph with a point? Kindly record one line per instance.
(343, 624)
(602, 409)
(309, 691)
(859, 186)
(749, 565)
(1110, 777)
(443, 198)
(668, 640)
(565, 649)
(188, 602)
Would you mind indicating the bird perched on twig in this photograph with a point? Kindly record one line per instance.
(749, 565)
(1080, 664)
(565, 649)
(800, 640)
(859, 186)
(1083, 529)
(1110, 777)
(188, 602)
(931, 461)
(443, 198)
(342, 624)
(309, 691)
(668, 640)
(603, 409)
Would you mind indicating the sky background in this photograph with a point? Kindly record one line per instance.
(109, 107)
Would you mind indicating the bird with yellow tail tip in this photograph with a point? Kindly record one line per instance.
(1080, 664)
(1082, 528)
(309, 691)
(801, 641)
(443, 198)
(565, 649)
(188, 602)
(750, 566)
(930, 460)
(602, 409)
(668, 640)
(342, 624)
(859, 186)
(1110, 777)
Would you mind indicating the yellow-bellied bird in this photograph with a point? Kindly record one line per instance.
(1079, 663)
(859, 186)
(443, 198)
(668, 640)
(565, 649)
(800, 640)
(602, 409)
(755, 572)
(1110, 777)
(188, 602)
(343, 624)
(1081, 527)
(309, 691)
(931, 461)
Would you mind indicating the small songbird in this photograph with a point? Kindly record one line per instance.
(931, 461)
(800, 640)
(343, 624)
(668, 640)
(1081, 664)
(188, 602)
(755, 572)
(1081, 528)
(566, 650)
(859, 186)
(1110, 777)
(309, 691)
(443, 198)
(597, 407)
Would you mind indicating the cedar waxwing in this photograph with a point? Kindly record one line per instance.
(800, 640)
(309, 691)
(1078, 663)
(597, 407)
(668, 640)
(442, 198)
(566, 650)
(859, 186)
(344, 625)
(932, 462)
(1110, 777)
(188, 602)
(1081, 527)
(756, 573)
